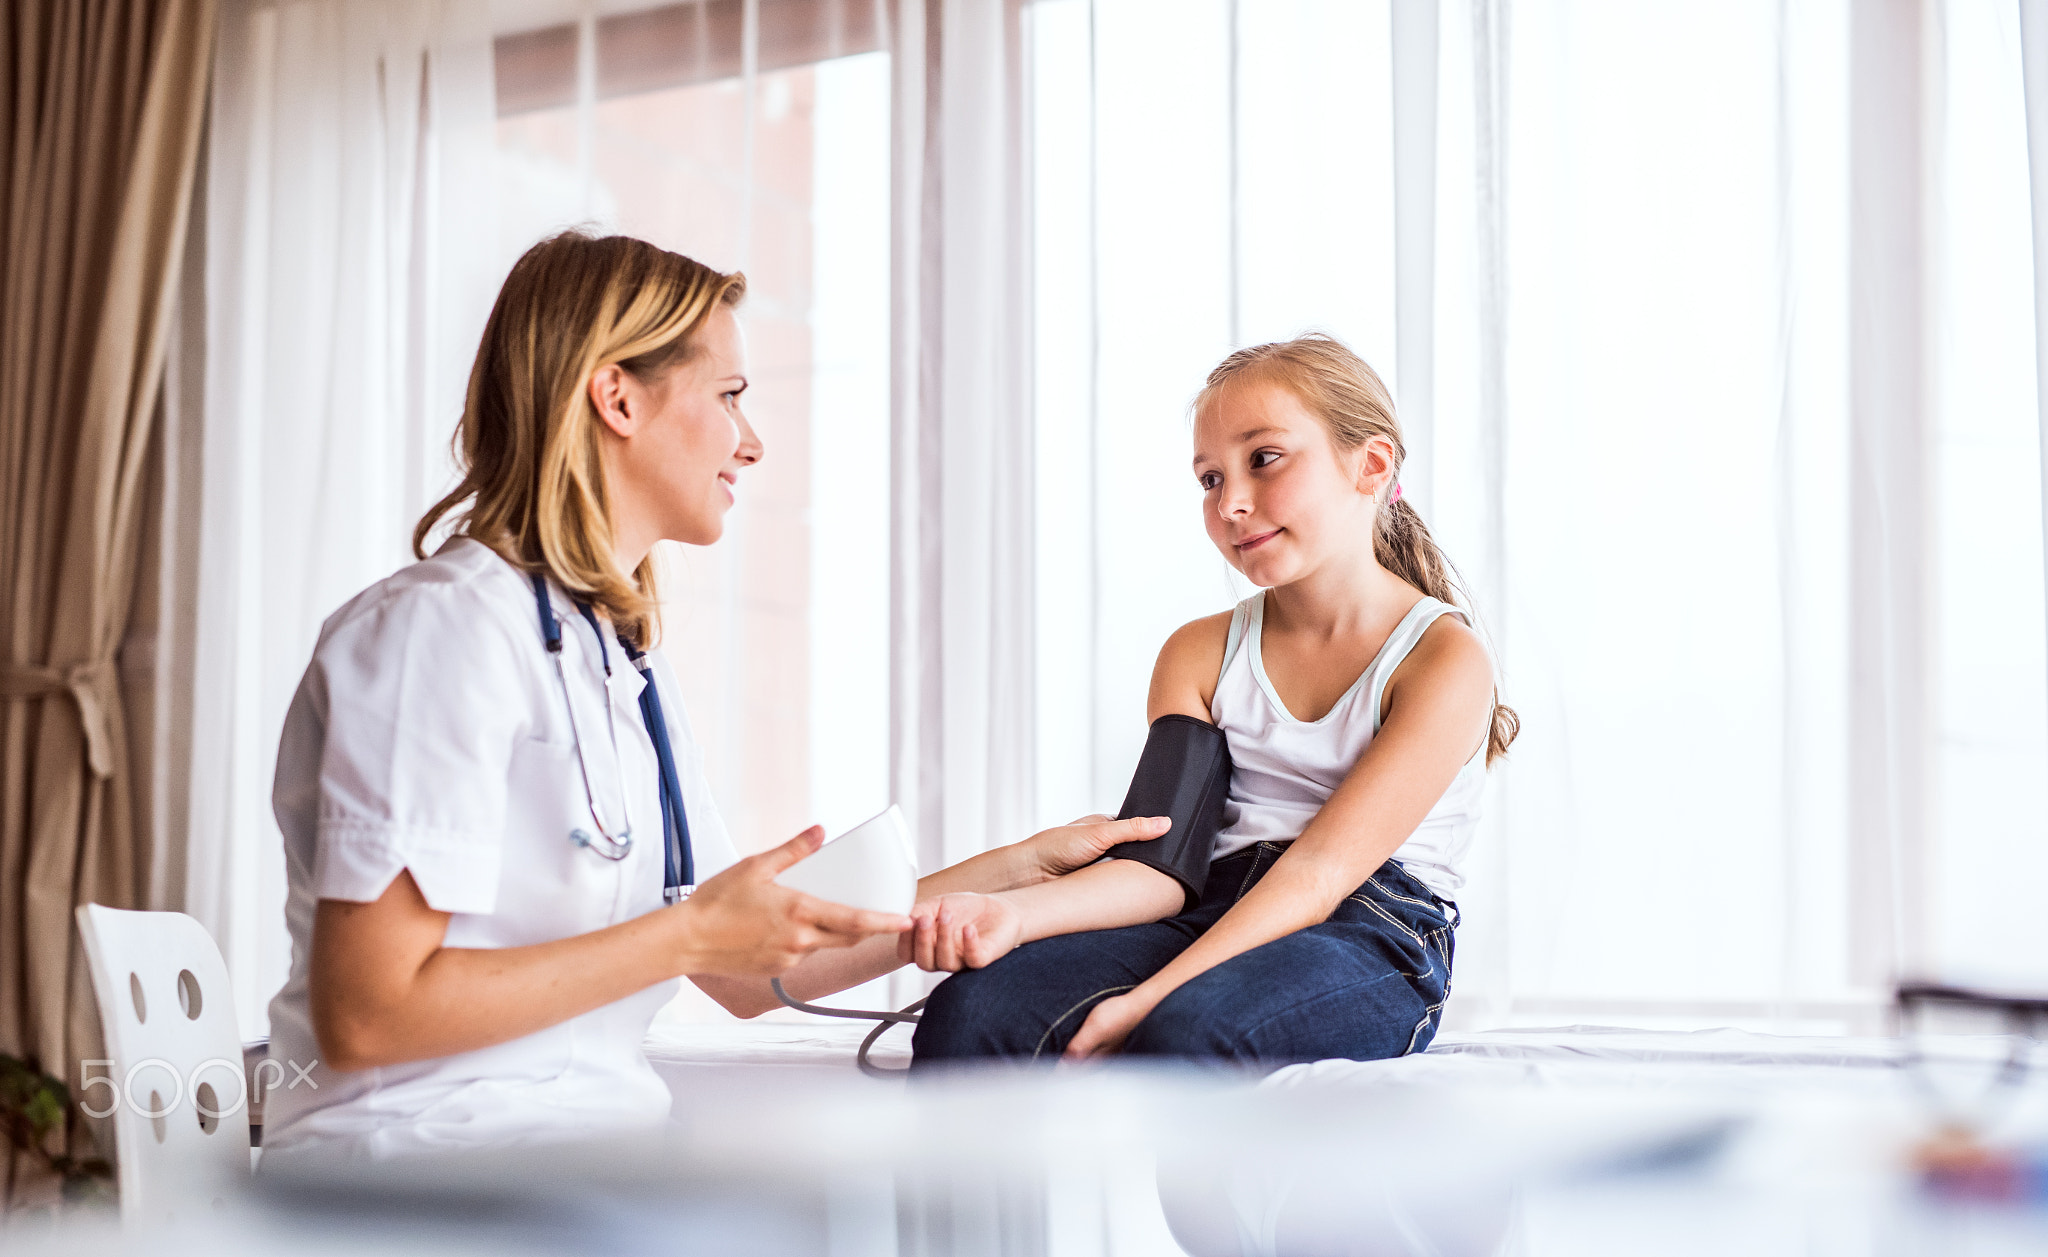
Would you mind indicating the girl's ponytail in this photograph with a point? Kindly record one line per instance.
(1353, 402)
(1402, 543)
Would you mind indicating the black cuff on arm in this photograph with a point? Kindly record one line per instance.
(1184, 774)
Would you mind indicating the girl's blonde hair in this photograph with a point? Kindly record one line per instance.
(1352, 401)
(533, 486)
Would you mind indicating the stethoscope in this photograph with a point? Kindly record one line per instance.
(679, 873)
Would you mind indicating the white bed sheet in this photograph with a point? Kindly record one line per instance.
(680, 1049)
(1711, 1060)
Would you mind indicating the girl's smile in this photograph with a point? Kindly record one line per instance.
(1279, 501)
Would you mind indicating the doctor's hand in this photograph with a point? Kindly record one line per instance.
(740, 923)
(1058, 851)
(960, 931)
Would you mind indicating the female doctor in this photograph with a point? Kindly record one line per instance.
(500, 847)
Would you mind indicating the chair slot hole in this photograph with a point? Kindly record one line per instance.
(135, 993)
(188, 994)
(208, 1105)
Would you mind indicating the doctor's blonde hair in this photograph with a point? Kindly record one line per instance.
(533, 485)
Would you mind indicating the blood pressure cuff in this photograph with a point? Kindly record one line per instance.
(1183, 774)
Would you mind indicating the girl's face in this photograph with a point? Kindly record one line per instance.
(1279, 499)
(689, 439)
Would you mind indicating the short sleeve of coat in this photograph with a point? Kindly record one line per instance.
(424, 702)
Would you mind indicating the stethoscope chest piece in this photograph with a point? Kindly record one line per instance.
(604, 844)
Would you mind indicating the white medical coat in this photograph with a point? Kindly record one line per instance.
(430, 734)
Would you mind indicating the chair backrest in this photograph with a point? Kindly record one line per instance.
(173, 1084)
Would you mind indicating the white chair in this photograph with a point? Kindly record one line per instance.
(173, 1084)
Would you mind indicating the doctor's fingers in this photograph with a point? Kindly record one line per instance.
(776, 859)
(1133, 829)
(850, 924)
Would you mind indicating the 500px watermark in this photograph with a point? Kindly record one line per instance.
(153, 1088)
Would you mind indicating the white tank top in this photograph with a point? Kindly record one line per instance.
(1283, 769)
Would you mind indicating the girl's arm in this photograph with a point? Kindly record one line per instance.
(1440, 702)
(954, 932)
(967, 931)
(1039, 859)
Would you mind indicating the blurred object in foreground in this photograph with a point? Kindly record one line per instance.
(1955, 1166)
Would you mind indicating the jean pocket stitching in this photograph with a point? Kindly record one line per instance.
(1427, 1013)
(1395, 921)
(1251, 874)
(1435, 908)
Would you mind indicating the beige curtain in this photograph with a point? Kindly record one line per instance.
(101, 105)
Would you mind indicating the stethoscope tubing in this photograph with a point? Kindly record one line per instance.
(906, 1016)
(605, 844)
(679, 868)
(679, 871)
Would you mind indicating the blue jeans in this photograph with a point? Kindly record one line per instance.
(1366, 984)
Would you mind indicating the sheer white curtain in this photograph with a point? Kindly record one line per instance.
(342, 301)
(962, 574)
(1705, 324)
(2034, 70)
(1642, 463)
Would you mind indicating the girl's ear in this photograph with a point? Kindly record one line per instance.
(1375, 465)
(608, 397)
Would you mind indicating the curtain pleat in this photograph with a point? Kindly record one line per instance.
(350, 246)
(2034, 70)
(104, 104)
(1414, 37)
(963, 570)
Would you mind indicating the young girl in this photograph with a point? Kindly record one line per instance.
(1360, 711)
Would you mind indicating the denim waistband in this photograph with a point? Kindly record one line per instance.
(1239, 871)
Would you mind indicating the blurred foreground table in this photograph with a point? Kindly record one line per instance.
(1577, 1141)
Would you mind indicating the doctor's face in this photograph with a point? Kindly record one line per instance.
(685, 459)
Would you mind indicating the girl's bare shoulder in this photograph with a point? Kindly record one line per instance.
(1184, 679)
(1449, 660)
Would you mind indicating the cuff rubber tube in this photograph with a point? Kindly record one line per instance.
(1183, 774)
